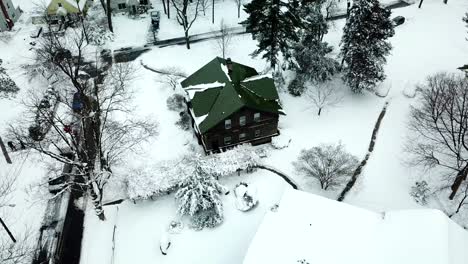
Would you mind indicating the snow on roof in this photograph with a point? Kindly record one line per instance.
(226, 71)
(258, 77)
(61, 11)
(191, 90)
(77, 4)
(319, 230)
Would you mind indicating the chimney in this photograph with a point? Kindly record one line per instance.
(229, 65)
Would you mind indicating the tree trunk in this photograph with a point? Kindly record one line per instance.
(109, 16)
(320, 111)
(461, 176)
(5, 152)
(103, 6)
(164, 6)
(238, 10)
(168, 9)
(187, 39)
(420, 3)
(212, 12)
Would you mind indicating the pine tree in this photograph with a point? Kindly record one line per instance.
(7, 85)
(274, 26)
(311, 61)
(365, 45)
(199, 198)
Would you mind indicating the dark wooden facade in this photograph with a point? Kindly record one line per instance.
(254, 131)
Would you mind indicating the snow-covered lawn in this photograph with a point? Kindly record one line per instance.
(139, 228)
(431, 40)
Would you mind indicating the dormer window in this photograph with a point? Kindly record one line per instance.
(257, 117)
(242, 121)
(227, 124)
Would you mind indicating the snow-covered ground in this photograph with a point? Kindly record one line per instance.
(432, 39)
(422, 46)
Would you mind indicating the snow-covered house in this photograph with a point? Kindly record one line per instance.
(130, 6)
(231, 104)
(307, 228)
(64, 7)
(9, 14)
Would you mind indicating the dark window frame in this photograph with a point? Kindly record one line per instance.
(257, 117)
(227, 140)
(257, 133)
(226, 122)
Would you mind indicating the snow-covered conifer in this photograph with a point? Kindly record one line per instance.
(365, 45)
(274, 26)
(199, 198)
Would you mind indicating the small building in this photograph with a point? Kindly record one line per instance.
(9, 14)
(130, 6)
(307, 228)
(231, 104)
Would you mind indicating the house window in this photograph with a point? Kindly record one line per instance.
(242, 121)
(242, 136)
(257, 133)
(257, 117)
(122, 6)
(227, 140)
(227, 124)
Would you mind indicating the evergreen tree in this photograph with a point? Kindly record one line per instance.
(311, 61)
(199, 198)
(7, 85)
(365, 45)
(274, 25)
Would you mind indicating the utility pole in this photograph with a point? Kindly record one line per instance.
(5, 152)
(8, 231)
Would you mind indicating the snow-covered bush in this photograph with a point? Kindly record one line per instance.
(184, 122)
(420, 192)
(199, 198)
(7, 85)
(164, 177)
(246, 196)
(297, 87)
(331, 165)
(280, 142)
(176, 102)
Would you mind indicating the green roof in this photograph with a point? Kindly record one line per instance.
(215, 94)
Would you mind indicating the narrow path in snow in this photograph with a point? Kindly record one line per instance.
(282, 175)
(361, 166)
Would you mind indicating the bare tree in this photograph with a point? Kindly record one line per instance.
(186, 17)
(204, 6)
(331, 7)
(92, 130)
(225, 38)
(20, 251)
(323, 95)
(331, 165)
(239, 4)
(439, 125)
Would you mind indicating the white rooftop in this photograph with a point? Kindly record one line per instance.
(319, 230)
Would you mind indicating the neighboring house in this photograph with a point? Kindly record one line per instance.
(130, 6)
(9, 14)
(231, 104)
(65, 7)
(307, 228)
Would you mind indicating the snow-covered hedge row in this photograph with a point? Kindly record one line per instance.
(164, 177)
